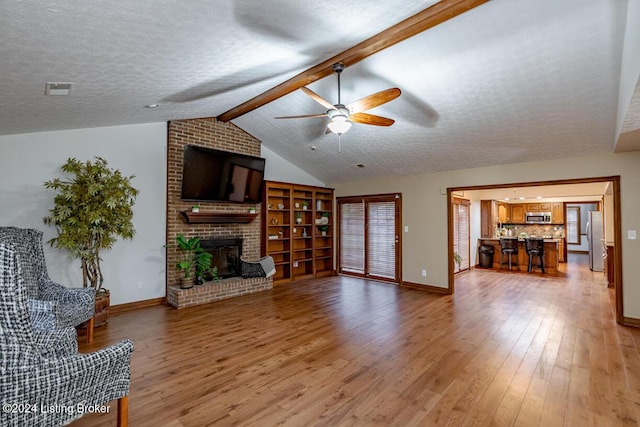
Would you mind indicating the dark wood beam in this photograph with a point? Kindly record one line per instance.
(422, 21)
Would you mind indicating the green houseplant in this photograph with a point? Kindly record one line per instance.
(457, 259)
(92, 208)
(193, 256)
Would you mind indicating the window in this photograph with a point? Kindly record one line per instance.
(573, 225)
(461, 233)
(352, 237)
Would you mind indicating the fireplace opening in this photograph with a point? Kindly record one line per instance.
(225, 254)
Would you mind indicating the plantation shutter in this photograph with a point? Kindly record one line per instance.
(352, 237)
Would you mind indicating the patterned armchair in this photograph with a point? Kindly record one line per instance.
(44, 381)
(72, 306)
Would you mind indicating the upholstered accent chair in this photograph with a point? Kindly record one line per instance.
(72, 306)
(44, 381)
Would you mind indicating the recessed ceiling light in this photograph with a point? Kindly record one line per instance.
(152, 106)
(539, 197)
(521, 198)
(57, 88)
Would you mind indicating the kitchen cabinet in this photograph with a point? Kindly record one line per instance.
(533, 207)
(561, 250)
(610, 265)
(486, 219)
(503, 212)
(557, 213)
(545, 207)
(518, 213)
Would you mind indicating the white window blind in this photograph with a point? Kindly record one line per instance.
(461, 234)
(352, 237)
(382, 239)
(573, 225)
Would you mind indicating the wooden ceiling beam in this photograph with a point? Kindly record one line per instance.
(422, 21)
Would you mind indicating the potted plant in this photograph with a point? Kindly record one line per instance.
(324, 217)
(195, 208)
(193, 256)
(298, 217)
(91, 210)
(252, 210)
(305, 205)
(457, 259)
(323, 230)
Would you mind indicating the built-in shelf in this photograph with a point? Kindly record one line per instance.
(218, 217)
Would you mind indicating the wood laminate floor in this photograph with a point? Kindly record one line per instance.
(506, 349)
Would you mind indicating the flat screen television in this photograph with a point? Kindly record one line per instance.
(221, 176)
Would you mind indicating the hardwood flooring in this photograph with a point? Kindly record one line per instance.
(507, 349)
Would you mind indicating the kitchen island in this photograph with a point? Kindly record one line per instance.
(521, 261)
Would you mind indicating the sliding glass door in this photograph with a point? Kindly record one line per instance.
(369, 236)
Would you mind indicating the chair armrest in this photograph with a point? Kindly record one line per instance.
(43, 314)
(57, 342)
(87, 379)
(52, 291)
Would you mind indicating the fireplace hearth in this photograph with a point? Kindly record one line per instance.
(225, 254)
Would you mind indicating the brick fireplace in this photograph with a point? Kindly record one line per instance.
(208, 133)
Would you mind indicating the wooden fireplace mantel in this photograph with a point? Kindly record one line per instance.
(217, 217)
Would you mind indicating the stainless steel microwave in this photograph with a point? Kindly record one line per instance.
(538, 218)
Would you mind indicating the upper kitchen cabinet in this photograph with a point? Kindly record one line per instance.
(538, 207)
(518, 213)
(486, 219)
(557, 213)
(504, 212)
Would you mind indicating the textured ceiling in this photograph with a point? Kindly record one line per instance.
(509, 81)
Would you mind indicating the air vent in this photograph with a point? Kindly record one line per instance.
(57, 88)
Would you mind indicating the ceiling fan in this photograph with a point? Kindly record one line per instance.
(342, 116)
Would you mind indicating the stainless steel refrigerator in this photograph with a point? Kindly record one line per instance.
(595, 235)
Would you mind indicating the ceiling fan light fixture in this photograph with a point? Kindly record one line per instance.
(339, 124)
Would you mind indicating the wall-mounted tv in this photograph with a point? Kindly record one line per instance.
(221, 176)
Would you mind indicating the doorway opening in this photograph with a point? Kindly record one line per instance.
(612, 205)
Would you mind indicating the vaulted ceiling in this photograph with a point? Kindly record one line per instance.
(508, 81)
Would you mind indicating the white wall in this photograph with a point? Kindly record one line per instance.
(425, 210)
(134, 269)
(279, 169)
(630, 67)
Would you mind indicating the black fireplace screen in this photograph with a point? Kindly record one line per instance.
(226, 255)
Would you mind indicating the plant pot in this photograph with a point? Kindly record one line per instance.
(195, 210)
(103, 301)
(323, 233)
(187, 282)
(298, 220)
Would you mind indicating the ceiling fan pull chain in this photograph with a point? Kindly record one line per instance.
(339, 143)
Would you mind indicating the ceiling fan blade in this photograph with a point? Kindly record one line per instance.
(305, 116)
(320, 100)
(374, 100)
(371, 119)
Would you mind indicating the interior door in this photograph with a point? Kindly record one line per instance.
(369, 236)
